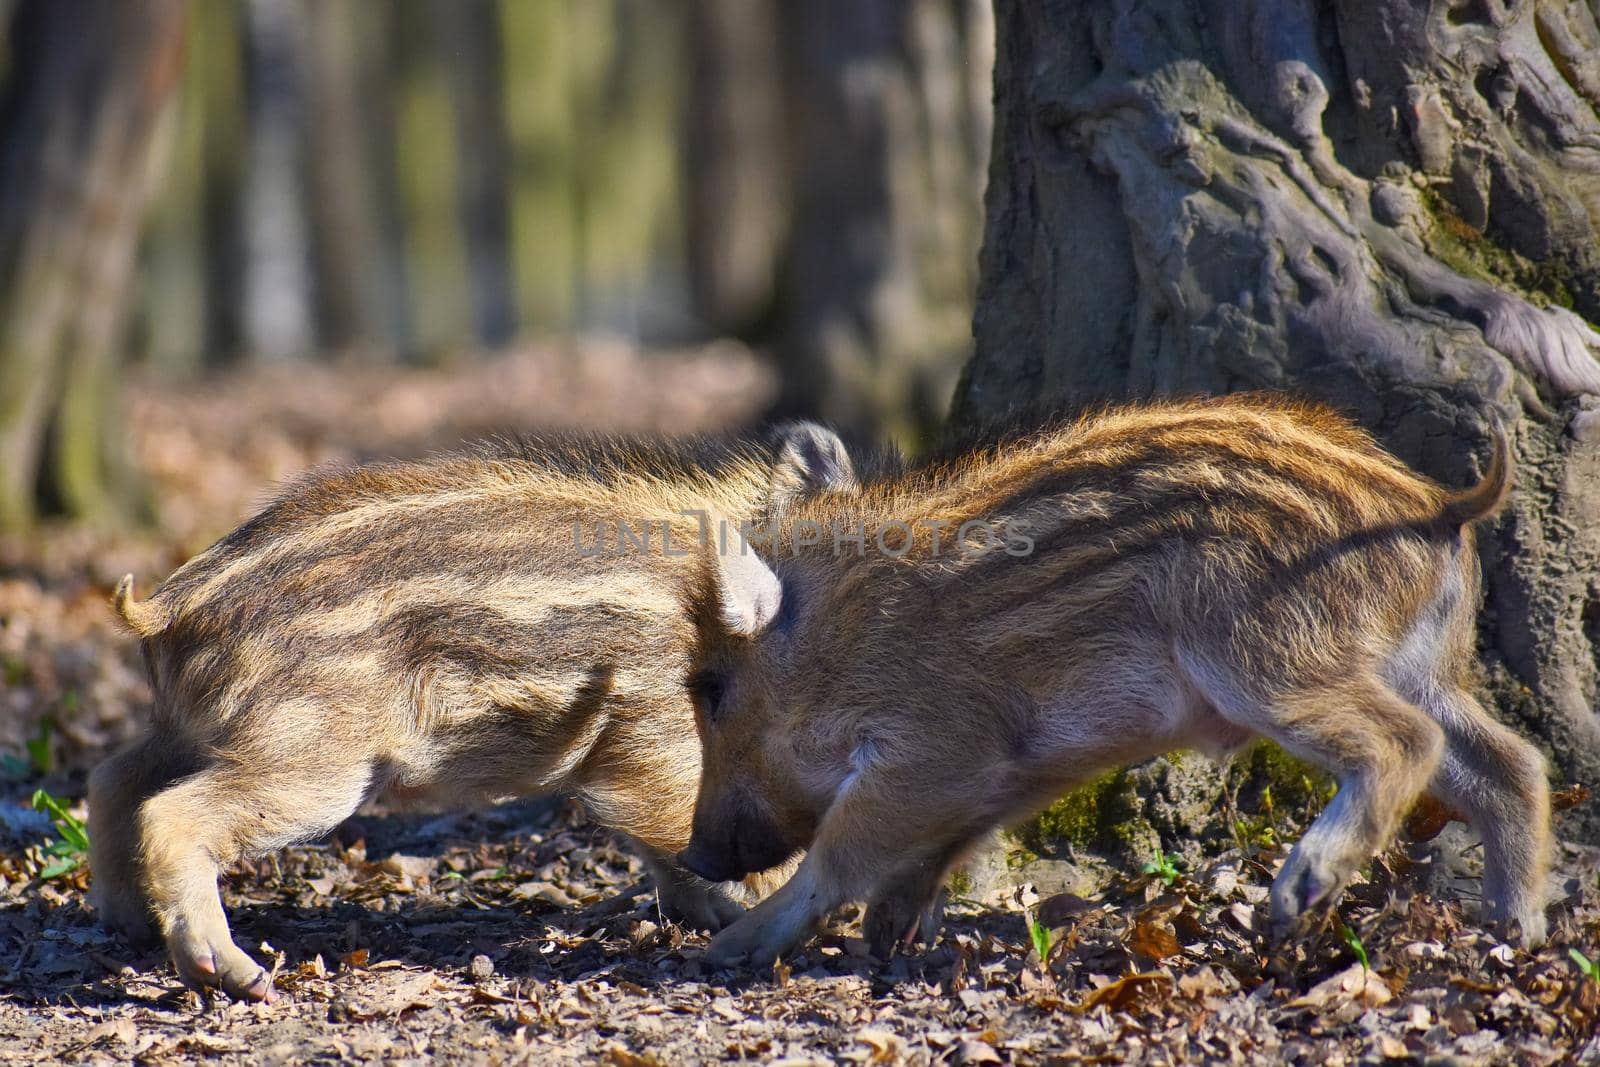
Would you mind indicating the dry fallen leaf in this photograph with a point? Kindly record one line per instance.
(545, 892)
(1057, 910)
(1393, 1048)
(213, 1044)
(884, 1044)
(394, 997)
(619, 1056)
(1354, 983)
(1126, 991)
(1428, 818)
(1505, 956)
(120, 1030)
(970, 1051)
(1153, 940)
(407, 871)
(1205, 982)
(1570, 797)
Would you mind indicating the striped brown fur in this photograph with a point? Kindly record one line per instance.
(425, 630)
(1201, 573)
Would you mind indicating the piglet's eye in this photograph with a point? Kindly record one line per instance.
(708, 688)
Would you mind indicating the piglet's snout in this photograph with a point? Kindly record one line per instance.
(740, 843)
(711, 862)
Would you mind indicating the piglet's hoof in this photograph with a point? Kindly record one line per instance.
(741, 945)
(204, 966)
(699, 907)
(1303, 886)
(899, 921)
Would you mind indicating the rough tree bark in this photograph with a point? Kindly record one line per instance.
(1384, 204)
(887, 114)
(86, 87)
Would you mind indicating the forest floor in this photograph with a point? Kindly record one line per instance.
(522, 934)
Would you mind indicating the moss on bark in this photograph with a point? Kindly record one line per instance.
(1474, 253)
(1169, 804)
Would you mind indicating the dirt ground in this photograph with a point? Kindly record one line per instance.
(524, 935)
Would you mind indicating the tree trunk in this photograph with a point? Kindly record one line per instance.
(733, 187)
(87, 86)
(167, 312)
(543, 132)
(470, 31)
(886, 119)
(378, 87)
(427, 173)
(347, 243)
(1387, 205)
(218, 52)
(278, 317)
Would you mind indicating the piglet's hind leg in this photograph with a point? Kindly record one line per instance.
(191, 830)
(1498, 780)
(118, 788)
(1383, 749)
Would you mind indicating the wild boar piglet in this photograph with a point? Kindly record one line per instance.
(470, 628)
(937, 652)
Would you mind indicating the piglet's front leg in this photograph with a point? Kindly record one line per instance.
(780, 922)
(870, 840)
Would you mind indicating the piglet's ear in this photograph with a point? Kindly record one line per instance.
(748, 593)
(808, 458)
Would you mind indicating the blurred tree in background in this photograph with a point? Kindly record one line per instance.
(886, 104)
(834, 197)
(407, 180)
(734, 173)
(187, 186)
(87, 84)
